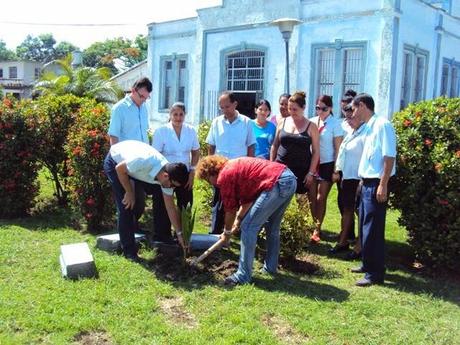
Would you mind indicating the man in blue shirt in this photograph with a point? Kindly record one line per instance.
(376, 166)
(131, 160)
(129, 121)
(231, 136)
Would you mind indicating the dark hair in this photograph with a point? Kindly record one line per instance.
(177, 172)
(143, 83)
(263, 101)
(347, 99)
(366, 99)
(299, 98)
(230, 94)
(347, 107)
(179, 105)
(326, 99)
(284, 95)
(349, 93)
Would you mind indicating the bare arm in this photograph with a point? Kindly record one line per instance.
(193, 163)
(382, 189)
(314, 134)
(275, 145)
(337, 142)
(174, 217)
(123, 177)
(251, 150)
(211, 150)
(113, 140)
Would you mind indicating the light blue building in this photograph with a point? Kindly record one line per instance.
(399, 51)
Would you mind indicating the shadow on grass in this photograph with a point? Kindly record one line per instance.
(52, 219)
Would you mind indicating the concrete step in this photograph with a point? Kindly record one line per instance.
(77, 261)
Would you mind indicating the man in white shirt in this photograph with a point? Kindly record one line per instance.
(231, 136)
(376, 166)
(132, 160)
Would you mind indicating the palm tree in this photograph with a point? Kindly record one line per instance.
(81, 81)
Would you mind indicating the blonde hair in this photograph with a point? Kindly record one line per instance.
(210, 166)
(299, 98)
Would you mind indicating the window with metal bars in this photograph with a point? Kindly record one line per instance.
(173, 81)
(414, 67)
(245, 71)
(450, 80)
(337, 67)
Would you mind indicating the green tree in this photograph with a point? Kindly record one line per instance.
(39, 48)
(82, 82)
(106, 54)
(62, 49)
(5, 53)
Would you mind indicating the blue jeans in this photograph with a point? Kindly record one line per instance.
(268, 210)
(372, 231)
(126, 219)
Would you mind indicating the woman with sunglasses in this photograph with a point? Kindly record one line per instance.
(178, 142)
(330, 138)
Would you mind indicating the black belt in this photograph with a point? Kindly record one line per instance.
(371, 180)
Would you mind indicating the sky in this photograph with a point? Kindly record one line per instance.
(83, 22)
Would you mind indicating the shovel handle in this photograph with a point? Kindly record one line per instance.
(211, 249)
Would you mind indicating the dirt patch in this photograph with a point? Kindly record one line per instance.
(283, 331)
(92, 338)
(211, 270)
(174, 309)
(304, 264)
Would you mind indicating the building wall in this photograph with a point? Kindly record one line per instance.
(126, 79)
(23, 83)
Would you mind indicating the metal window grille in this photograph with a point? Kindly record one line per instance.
(326, 66)
(352, 64)
(419, 85)
(13, 72)
(1, 73)
(245, 71)
(406, 82)
(454, 82)
(444, 79)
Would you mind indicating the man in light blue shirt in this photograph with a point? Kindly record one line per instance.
(376, 166)
(231, 136)
(129, 119)
(133, 161)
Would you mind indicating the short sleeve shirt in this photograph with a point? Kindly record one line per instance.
(174, 149)
(142, 161)
(231, 139)
(128, 121)
(332, 129)
(264, 138)
(242, 180)
(380, 142)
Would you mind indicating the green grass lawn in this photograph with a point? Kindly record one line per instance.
(131, 304)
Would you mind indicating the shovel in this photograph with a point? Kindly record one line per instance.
(211, 249)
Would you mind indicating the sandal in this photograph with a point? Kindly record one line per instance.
(314, 239)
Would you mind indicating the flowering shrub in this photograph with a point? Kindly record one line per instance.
(18, 159)
(427, 179)
(202, 186)
(87, 146)
(55, 115)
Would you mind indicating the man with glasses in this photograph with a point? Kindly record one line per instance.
(132, 160)
(129, 121)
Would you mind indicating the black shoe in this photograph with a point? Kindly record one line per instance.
(134, 258)
(338, 248)
(353, 256)
(357, 270)
(230, 281)
(367, 282)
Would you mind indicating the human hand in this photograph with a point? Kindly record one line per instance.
(335, 177)
(308, 180)
(128, 200)
(382, 193)
(191, 178)
(181, 241)
(225, 236)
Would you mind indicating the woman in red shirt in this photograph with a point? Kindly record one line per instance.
(255, 192)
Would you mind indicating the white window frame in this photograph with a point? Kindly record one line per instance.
(414, 75)
(337, 83)
(178, 79)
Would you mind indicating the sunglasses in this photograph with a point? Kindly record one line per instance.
(321, 108)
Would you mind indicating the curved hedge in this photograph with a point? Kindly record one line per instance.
(427, 188)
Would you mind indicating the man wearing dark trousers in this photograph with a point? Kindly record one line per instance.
(376, 166)
(133, 162)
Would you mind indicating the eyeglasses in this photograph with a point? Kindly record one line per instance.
(141, 96)
(321, 108)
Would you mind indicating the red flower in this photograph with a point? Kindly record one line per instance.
(428, 142)
(438, 167)
(7, 103)
(407, 123)
(90, 202)
(457, 154)
(77, 151)
(443, 202)
(92, 133)
(89, 215)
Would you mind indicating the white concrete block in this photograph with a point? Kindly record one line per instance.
(203, 241)
(111, 242)
(77, 261)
